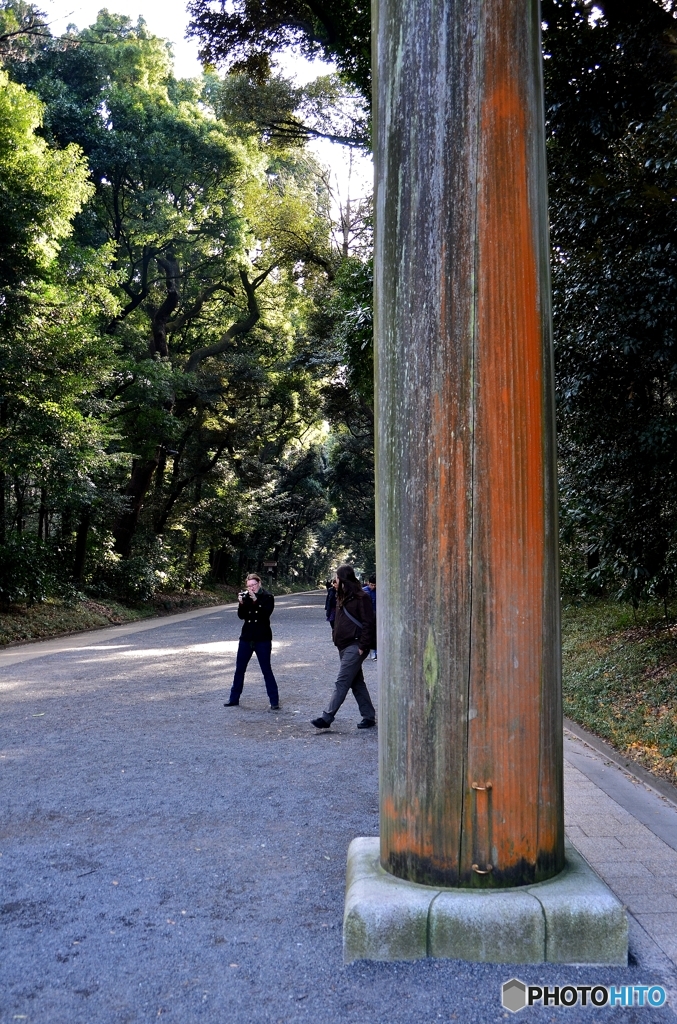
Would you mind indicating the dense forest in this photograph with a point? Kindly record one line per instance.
(177, 322)
(185, 324)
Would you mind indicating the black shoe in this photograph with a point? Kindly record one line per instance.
(274, 707)
(366, 723)
(320, 723)
(231, 704)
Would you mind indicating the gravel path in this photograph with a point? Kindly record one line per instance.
(166, 858)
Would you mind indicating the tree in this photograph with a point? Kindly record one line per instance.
(341, 338)
(204, 248)
(217, 245)
(53, 298)
(246, 33)
(41, 189)
(611, 121)
(21, 27)
(291, 115)
(280, 519)
(609, 79)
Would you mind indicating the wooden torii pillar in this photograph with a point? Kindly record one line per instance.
(468, 615)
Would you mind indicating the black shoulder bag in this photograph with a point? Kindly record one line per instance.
(352, 618)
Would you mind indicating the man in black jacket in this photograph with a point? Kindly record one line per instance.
(255, 607)
(353, 635)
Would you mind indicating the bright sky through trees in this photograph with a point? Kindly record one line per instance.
(166, 19)
(169, 19)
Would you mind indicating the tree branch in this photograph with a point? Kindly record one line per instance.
(180, 321)
(178, 486)
(290, 128)
(241, 326)
(136, 297)
(158, 342)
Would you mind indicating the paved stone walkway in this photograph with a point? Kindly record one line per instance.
(165, 859)
(629, 835)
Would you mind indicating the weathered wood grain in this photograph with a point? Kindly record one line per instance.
(470, 716)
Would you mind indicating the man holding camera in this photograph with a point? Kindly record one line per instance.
(255, 606)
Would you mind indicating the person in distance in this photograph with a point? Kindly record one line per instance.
(370, 591)
(330, 601)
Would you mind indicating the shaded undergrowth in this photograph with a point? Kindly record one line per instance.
(53, 618)
(23, 623)
(620, 679)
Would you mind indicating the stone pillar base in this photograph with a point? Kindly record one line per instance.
(573, 918)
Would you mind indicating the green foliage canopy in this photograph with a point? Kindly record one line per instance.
(612, 153)
(208, 249)
(41, 189)
(246, 33)
(611, 117)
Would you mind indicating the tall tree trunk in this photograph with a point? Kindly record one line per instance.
(81, 545)
(194, 530)
(19, 493)
(66, 523)
(179, 485)
(42, 515)
(142, 472)
(3, 487)
(215, 560)
(160, 471)
(158, 342)
(3, 481)
(135, 491)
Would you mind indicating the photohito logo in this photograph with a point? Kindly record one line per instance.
(515, 995)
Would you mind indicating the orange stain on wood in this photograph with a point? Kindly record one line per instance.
(509, 550)
(405, 828)
(492, 569)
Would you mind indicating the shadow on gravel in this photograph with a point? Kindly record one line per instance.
(167, 859)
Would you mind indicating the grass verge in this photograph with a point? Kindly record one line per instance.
(620, 679)
(53, 618)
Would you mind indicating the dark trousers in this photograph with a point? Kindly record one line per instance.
(350, 677)
(262, 649)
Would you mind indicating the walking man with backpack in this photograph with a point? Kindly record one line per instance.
(353, 636)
